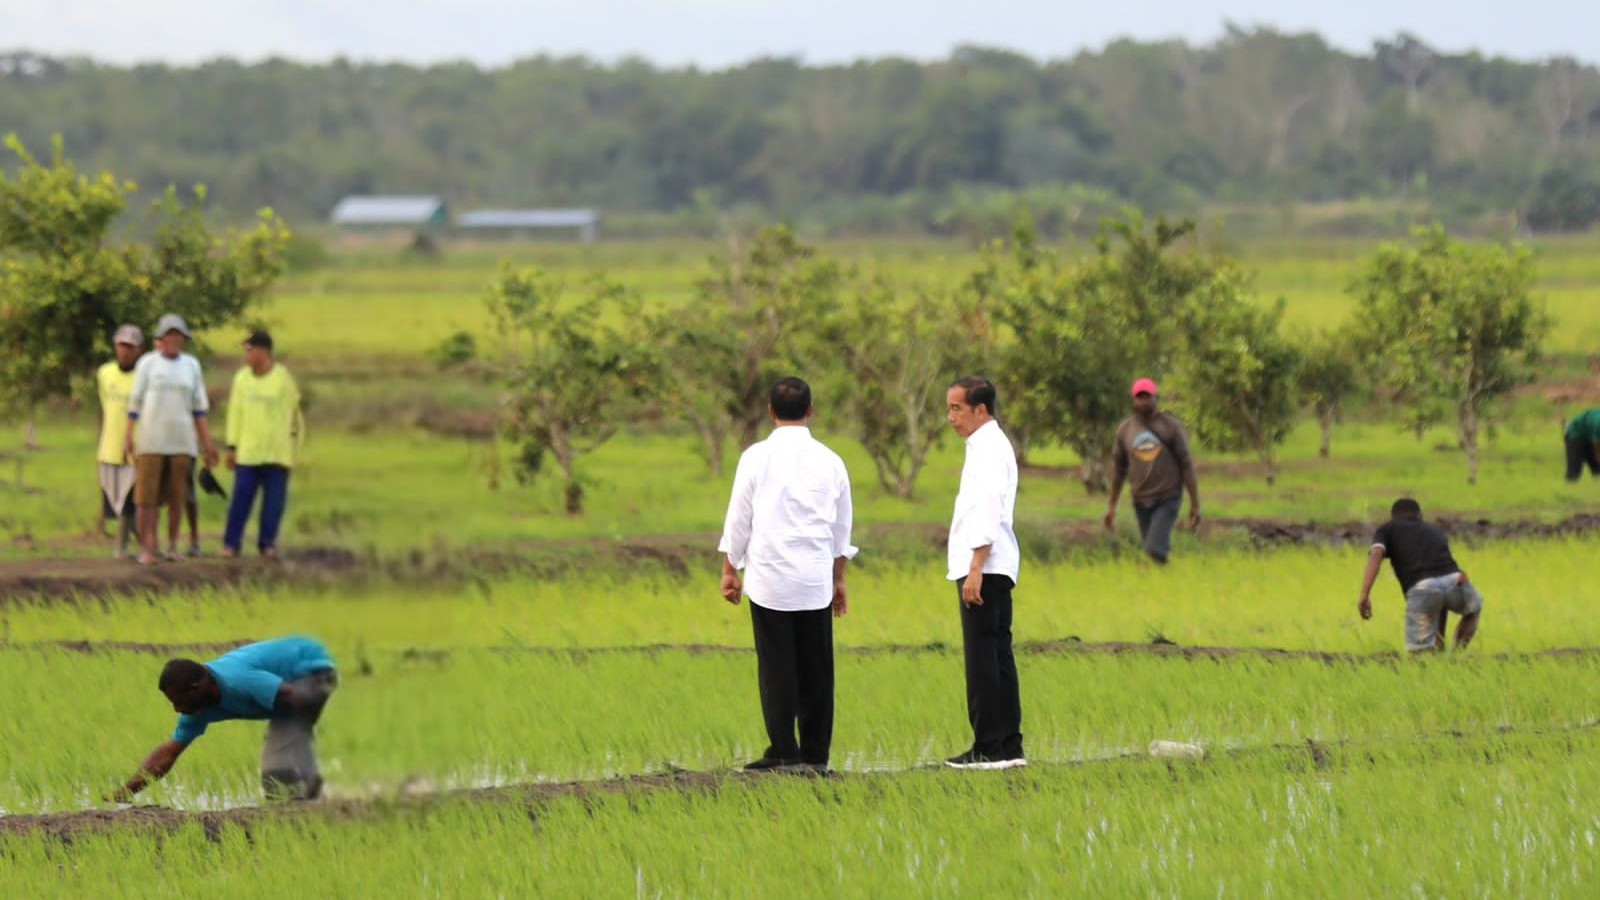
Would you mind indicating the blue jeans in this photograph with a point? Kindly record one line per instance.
(1155, 526)
(273, 483)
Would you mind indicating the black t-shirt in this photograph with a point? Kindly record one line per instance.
(1417, 551)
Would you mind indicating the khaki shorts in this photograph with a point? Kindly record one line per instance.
(1426, 605)
(162, 480)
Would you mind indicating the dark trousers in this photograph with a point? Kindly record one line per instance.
(1581, 453)
(1155, 526)
(273, 483)
(994, 704)
(794, 657)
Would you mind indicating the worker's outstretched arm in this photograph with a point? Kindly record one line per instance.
(155, 767)
(1374, 565)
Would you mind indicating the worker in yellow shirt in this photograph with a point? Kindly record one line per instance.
(115, 381)
(264, 428)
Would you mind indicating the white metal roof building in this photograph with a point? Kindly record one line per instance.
(390, 212)
(585, 221)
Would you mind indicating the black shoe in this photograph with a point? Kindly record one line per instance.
(972, 759)
(773, 764)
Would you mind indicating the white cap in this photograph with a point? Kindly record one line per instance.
(172, 322)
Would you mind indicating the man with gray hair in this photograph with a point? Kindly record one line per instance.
(167, 429)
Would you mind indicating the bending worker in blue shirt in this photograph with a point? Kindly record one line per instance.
(285, 681)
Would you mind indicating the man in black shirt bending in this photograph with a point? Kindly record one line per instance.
(1432, 582)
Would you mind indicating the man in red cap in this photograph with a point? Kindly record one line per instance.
(1152, 455)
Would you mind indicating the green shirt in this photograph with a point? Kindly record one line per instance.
(264, 422)
(1585, 427)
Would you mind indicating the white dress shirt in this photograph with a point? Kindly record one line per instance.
(986, 506)
(789, 519)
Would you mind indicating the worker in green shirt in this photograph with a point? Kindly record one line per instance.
(264, 427)
(1583, 444)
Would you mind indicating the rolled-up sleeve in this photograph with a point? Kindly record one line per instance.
(737, 526)
(844, 519)
(189, 728)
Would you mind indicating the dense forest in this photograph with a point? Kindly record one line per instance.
(1258, 117)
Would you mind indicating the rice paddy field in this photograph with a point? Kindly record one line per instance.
(533, 704)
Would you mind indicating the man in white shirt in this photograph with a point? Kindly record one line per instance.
(984, 560)
(788, 529)
(167, 429)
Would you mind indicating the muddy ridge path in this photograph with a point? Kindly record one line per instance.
(1071, 645)
(420, 796)
(80, 578)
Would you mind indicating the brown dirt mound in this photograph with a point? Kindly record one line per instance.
(678, 555)
(1270, 533)
(1060, 647)
(88, 579)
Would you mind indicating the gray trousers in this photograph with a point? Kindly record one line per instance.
(289, 753)
(1155, 526)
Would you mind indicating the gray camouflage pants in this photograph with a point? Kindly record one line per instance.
(289, 753)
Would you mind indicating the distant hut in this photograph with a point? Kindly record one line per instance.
(391, 213)
(529, 222)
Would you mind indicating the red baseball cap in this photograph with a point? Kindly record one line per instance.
(1145, 386)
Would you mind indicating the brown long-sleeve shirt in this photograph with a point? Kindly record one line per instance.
(1153, 457)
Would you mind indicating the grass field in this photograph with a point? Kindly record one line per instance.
(572, 729)
(338, 310)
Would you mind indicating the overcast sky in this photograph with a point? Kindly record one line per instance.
(718, 33)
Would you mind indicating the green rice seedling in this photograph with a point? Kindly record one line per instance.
(1514, 810)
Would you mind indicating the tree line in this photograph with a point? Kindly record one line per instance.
(1445, 331)
(1258, 116)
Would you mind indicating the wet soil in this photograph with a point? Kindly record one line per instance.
(68, 826)
(1307, 755)
(1067, 646)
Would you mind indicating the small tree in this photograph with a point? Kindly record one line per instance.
(1080, 334)
(1457, 324)
(574, 370)
(1239, 372)
(754, 320)
(699, 356)
(66, 285)
(901, 345)
(1330, 375)
(1567, 199)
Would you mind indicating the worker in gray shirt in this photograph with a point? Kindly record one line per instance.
(1152, 454)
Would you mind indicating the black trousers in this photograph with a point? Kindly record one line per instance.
(994, 703)
(794, 657)
(1581, 453)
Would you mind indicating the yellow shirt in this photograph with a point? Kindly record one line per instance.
(115, 386)
(264, 422)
